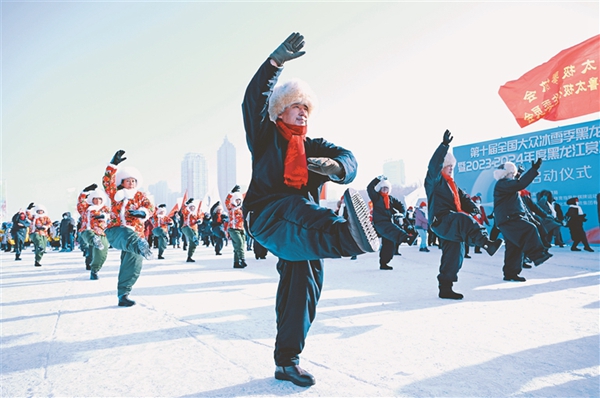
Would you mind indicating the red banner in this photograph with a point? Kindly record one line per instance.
(564, 87)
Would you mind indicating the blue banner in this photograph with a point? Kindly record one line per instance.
(570, 168)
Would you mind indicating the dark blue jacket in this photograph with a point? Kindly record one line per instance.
(268, 148)
(440, 198)
(380, 213)
(507, 201)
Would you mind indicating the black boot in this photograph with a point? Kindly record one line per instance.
(37, 264)
(295, 374)
(125, 302)
(190, 260)
(237, 264)
(17, 258)
(446, 292)
(385, 267)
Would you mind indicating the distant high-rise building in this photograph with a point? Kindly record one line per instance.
(161, 193)
(226, 168)
(194, 176)
(394, 171)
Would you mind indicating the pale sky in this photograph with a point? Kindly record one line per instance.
(81, 80)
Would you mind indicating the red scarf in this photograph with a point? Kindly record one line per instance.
(295, 172)
(386, 199)
(454, 190)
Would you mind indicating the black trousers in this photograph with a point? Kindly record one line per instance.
(454, 230)
(297, 229)
(300, 285)
(513, 259)
(523, 234)
(392, 235)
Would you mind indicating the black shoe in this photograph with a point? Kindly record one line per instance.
(385, 266)
(190, 260)
(218, 254)
(492, 246)
(542, 259)
(243, 263)
(588, 249)
(448, 293)
(359, 222)
(424, 249)
(525, 265)
(161, 258)
(353, 258)
(94, 276)
(478, 250)
(37, 264)
(237, 264)
(575, 249)
(295, 374)
(515, 278)
(17, 258)
(125, 302)
(467, 256)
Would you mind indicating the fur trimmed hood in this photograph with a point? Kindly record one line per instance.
(292, 92)
(235, 196)
(504, 170)
(128, 172)
(39, 207)
(97, 193)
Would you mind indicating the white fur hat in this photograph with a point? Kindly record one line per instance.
(128, 172)
(292, 92)
(39, 207)
(97, 193)
(504, 170)
(235, 196)
(383, 183)
(449, 159)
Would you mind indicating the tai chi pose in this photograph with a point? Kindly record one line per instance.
(450, 218)
(94, 213)
(288, 170)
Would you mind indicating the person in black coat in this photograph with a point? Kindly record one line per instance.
(575, 219)
(20, 223)
(450, 212)
(521, 235)
(218, 220)
(288, 171)
(385, 206)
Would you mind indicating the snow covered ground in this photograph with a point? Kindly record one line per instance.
(205, 329)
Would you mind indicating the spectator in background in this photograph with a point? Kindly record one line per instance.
(67, 232)
(575, 219)
(421, 225)
(20, 223)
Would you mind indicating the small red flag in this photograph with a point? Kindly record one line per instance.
(564, 87)
(173, 210)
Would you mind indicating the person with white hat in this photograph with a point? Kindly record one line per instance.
(130, 208)
(281, 204)
(450, 210)
(38, 230)
(160, 228)
(190, 217)
(233, 202)
(520, 234)
(93, 209)
(385, 206)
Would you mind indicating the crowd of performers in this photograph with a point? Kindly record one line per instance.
(280, 214)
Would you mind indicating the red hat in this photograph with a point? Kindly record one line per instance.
(422, 204)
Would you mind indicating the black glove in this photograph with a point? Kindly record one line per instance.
(190, 200)
(90, 188)
(325, 166)
(536, 165)
(447, 137)
(118, 158)
(31, 206)
(476, 210)
(137, 213)
(99, 217)
(236, 189)
(289, 49)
